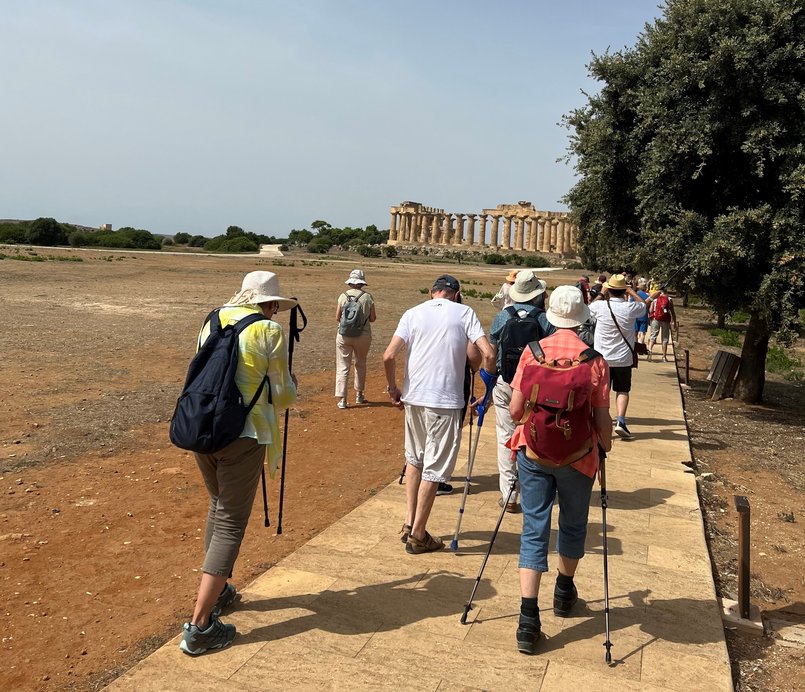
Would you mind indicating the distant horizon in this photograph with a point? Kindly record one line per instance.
(268, 115)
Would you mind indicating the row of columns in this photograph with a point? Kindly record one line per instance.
(534, 233)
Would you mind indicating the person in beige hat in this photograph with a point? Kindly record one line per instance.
(353, 341)
(231, 474)
(542, 483)
(615, 319)
(502, 300)
(528, 293)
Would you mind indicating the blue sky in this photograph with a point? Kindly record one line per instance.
(191, 115)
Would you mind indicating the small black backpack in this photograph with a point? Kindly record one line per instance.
(352, 320)
(516, 334)
(210, 413)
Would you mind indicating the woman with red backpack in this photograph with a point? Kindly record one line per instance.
(661, 312)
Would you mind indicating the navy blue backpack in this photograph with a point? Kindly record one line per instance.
(210, 413)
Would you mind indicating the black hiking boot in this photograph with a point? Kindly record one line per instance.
(564, 598)
(529, 630)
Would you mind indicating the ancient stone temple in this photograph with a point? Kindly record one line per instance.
(518, 226)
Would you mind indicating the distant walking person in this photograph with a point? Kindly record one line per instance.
(662, 316)
(231, 474)
(436, 334)
(355, 313)
(614, 339)
(502, 300)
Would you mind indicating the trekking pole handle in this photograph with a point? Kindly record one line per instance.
(489, 380)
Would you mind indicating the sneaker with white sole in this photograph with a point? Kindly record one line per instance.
(360, 398)
(217, 636)
(342, 403)
(622, 431)
(444, 489)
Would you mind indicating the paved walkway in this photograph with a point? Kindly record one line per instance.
(351, 610)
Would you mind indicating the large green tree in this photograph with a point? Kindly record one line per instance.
(691, 162)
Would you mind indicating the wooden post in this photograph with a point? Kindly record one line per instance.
(742, 506)
(687, 366)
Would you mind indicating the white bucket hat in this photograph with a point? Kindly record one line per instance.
(356, 278)
(526, 286)
(567, 308)
(261, 287)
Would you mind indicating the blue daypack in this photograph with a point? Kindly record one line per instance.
(210, 413)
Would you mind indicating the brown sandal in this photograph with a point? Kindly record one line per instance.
(429, 545)
(405, 531)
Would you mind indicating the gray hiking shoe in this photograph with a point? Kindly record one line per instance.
(226, 598)
(216, 636)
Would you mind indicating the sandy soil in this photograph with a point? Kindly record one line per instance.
(101, 519)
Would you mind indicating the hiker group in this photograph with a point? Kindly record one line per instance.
(547, 367)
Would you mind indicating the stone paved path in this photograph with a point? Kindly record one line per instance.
(351, 610)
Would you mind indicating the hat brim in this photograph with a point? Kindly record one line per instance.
(612, 287)
(256, 299)
(567, 322)
(355, 282)
(518, 297)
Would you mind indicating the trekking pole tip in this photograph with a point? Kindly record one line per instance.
(465, 613)
(454, 544)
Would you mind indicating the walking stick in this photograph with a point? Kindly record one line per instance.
(489, 381)
(468, 607)
(296, 312)
(603, 479)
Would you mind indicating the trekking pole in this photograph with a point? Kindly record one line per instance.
(296, 312)
(468, 607)
(489, 381)
(602, 455)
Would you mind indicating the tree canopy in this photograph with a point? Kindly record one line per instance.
(692, 162)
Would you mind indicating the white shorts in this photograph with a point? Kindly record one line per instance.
(432, 440)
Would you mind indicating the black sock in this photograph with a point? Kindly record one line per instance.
(529, 607)
(564, 581)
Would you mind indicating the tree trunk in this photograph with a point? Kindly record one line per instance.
(752, 374)
(721, 319)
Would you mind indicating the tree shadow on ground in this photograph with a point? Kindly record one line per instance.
(643, 498)
(371, 608)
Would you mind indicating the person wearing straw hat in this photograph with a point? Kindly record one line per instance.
(502, 300)
(615, 319)
(528, 294)
(541, 483)
(231, 475)
(357, 346)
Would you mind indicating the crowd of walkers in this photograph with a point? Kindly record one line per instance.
(584, 339)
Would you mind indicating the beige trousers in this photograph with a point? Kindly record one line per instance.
(345, 348)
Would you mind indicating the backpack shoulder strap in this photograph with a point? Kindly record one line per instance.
(244, 322)
(588, 355)
(536, 351)
(511, 311)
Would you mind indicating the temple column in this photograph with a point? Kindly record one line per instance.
(458, 237)
(445, 235)
(518, 233)
(469, 241)
(507, 232)
(482, 230)
(403, 235)
(546, 235)
(529, 232)
(494, 232)
(560, 236)
(393, 226)
(554, 226)
(434, 230)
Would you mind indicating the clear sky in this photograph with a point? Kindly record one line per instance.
(192, 115)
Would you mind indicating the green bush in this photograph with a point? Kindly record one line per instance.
(78, 239)
(234, 243)
(574, 265)
(390, 251)
(778, 360)
(181, 238)
(494, 258)
(319, 246)
(367, 251)
(14, 233)
(167, 241)
(515, 259)
(46, 231)
(726, 337)
(198, 241)
(536, 261)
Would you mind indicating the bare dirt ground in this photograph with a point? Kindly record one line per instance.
(101, 519)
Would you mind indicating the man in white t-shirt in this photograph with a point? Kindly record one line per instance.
(614, 339)
(436, 334)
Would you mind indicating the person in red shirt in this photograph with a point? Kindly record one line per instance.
(541, 482)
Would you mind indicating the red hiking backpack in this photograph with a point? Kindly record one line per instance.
(558, 423)
(660, 308)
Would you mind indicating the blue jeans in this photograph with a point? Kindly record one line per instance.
(539, 487)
